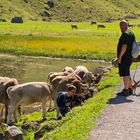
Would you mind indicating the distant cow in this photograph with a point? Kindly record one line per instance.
(101, 26)
(93, 22)
(131, 25)
(74, 26)
(2, 20)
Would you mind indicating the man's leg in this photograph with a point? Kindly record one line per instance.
(124, 71)
(127, 82)
(127, 87)
(63, 111)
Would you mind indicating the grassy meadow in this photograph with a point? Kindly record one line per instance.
(57, 39)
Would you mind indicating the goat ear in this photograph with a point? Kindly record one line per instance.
(75, 81)
(84, 86)
(68, 85)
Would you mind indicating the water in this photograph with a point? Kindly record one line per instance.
(28, 69)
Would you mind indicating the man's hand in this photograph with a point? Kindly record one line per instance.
(123, 49)
(119, 60)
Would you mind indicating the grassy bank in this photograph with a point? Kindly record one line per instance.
(76, 124)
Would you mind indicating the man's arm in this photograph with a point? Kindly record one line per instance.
(123, 49)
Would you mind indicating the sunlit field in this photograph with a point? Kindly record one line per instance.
(56, 39)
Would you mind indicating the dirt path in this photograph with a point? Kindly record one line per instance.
(121, 119)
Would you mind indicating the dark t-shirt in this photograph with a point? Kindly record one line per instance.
(61, 100)
(127, 38)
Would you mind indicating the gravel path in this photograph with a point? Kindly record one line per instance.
(121, 119)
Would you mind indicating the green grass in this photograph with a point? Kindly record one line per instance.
(57, 39)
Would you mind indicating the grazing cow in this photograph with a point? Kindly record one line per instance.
(84, 74)
(130, 25)
(52, 75)
(101, 26)
(28, 93)
(98, 78)
(80, 71)
(68, 69)
(93, 22)
(74, 26)
(6, 82)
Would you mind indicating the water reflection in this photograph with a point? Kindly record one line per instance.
(26, 69)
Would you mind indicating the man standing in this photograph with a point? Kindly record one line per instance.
(124, 50)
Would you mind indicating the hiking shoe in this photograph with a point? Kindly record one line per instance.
(125, 92)
(130, 91)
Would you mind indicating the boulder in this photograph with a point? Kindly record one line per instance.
(17, 20)
(14, 133)
(50, 3)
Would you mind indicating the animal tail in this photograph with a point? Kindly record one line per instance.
(8, 91)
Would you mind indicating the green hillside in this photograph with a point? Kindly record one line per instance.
(69, 10)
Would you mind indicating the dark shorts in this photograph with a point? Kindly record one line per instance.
(124, 68)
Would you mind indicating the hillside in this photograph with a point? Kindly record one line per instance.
(69, 10)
